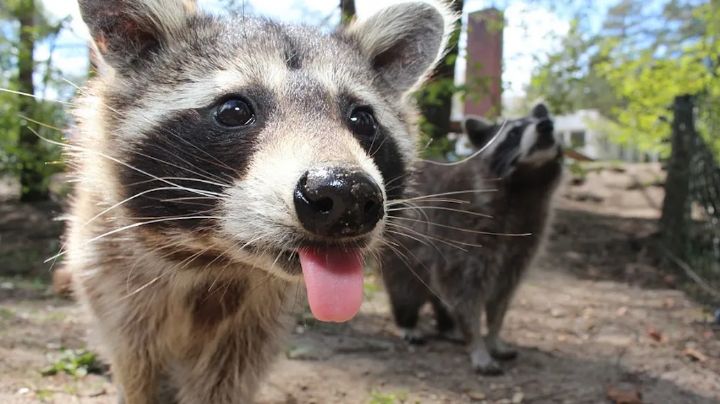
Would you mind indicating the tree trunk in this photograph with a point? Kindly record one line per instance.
(436, 98)
(347, 11)
(675, 219)
(32, 180)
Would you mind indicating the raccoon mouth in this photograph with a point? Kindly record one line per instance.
(333, 277)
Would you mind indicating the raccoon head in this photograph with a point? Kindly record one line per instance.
(277, 147)
(518, 145)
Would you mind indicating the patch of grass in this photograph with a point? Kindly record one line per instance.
(370, 287)
(76, 363)
(43, 394)
(6, 314)
(377, 397)
(578, 172)
(34, 284)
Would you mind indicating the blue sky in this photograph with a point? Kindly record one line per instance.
(531, 32)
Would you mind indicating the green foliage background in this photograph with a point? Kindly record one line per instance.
(633, 67)
(44, 158)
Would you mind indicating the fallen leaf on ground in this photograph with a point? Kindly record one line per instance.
(656, 335)
(620, 395)
(695, 355)
(476, 395)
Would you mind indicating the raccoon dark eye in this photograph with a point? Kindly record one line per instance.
(235, 112)
(362, 122)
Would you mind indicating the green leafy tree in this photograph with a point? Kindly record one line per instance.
(568, 80)
(22, 152)
(347, 11)
(435, 98)
(660, 66)
(649, 65)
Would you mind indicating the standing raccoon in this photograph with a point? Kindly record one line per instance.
(449, 254)
(220, 161)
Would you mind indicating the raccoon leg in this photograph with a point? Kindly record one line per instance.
(406, 310)
(496, 310)
(407, 295)
(469, 318)
(445, 324)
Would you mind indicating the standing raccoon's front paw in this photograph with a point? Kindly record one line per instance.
(453, 335)
(504, 353)
(500, 351)
(484, 364)
(413, 336)
(491, 368)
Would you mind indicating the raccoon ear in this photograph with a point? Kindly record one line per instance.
(404, 42)
(479, 130)
(125, 31)
(540, 111)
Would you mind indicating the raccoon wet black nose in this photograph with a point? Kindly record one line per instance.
(338, 202)
(545, 126)
(545, 137)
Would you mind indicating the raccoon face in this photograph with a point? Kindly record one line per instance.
(525, 143)
(255, 142)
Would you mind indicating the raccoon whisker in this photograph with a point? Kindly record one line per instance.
(183, 202)
(209, 176)
(232, 247)
(135, 225)
(439, 200)
(132, 270)
(216, 161)
(187, 261)
(426, 242)
(406, 260)
(267, 277)
(441, 208)
(465, 230)
(143, 287)
(104, 212)
(399, 177)
(469, 191)
(174, 179)
(172, 133)
(410, 206)
(170, 218)
(139, 194)
(192, 198)
(475, 154)
(189, 198)
(452, 243)
(182, 264)
(371, 146)
(68, 81)
(84, 149)
(371, 153)
(279, 254)
(7, 90)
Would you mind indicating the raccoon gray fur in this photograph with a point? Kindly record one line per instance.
(218, 159)
(518, 172)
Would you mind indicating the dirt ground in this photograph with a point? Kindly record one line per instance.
(594, 322)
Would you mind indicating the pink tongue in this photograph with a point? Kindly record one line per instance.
(334, 282)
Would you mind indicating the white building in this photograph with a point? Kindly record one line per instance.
(586, 131)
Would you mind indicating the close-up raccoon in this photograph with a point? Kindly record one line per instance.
(465, 249)
(219, 163)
